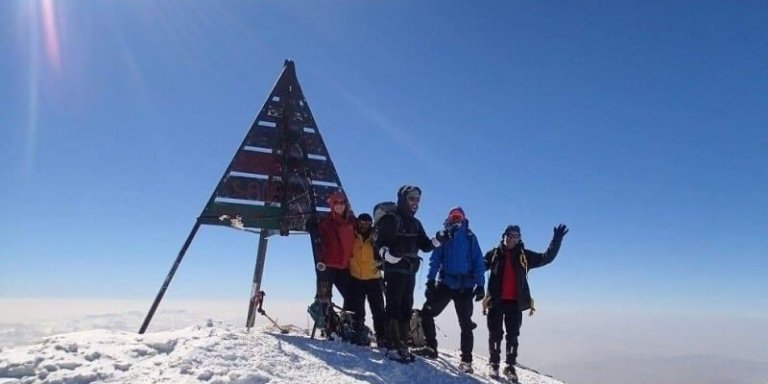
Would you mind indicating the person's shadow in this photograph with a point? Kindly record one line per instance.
(370, 365)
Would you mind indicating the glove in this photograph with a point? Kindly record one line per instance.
(560, 232)
(442, 236)
(479, 293)
(387, 257)
(430, 292)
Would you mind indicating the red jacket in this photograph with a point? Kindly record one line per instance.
(337, 235)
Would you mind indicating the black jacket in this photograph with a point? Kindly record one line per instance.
(495, 261)
(405, 237)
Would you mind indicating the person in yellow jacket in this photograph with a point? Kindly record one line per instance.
(366, 282)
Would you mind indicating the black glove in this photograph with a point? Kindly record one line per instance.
(479, 293)
(430, 292)
(443, 236)
(560, 232)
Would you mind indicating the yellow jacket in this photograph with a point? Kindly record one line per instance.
(362, 265)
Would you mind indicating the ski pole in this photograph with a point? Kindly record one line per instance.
(260, 309)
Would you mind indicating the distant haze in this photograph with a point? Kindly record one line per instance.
(576, 347)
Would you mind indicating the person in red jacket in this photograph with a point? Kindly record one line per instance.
(509, 293)
(337, 236)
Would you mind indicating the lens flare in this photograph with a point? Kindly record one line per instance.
(50, 33)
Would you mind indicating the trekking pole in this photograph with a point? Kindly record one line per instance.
(260, 309)
(342, 309)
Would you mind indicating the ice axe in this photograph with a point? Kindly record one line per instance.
(260, 309)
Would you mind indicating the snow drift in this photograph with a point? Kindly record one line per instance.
(217, 352)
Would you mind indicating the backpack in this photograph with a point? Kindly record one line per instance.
(416, 338)
(382, 209)
(379, 211)
(327, 319)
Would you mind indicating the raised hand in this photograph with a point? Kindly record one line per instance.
(560, 231)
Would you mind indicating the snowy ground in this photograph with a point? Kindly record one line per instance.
(218, 352)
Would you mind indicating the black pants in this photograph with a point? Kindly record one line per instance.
(399, 295)
(371, 290)
(509, 315)
(399, 307)
(462, 301)
(339, 278)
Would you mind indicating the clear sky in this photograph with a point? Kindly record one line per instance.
(640, 125)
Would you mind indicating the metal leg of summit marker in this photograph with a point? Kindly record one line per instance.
(261, 255)
(168, 278)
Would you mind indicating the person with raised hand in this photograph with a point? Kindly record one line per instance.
(508, 293)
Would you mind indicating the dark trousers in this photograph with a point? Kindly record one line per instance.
(509, 315)
(339, 278)
(399, 297)
(462, 302)
(371, 290)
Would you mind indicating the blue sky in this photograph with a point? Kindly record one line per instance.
(639, 125)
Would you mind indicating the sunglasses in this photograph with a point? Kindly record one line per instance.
(455, 218)
(512, 235)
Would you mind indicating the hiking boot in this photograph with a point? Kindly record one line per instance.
(400, 354)
(466, 367)
(361, 337)
(493, 371)
(405, 354)
(427, 352)
(393, 355)
(509, 372)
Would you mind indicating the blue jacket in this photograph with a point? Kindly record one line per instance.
(459, 261)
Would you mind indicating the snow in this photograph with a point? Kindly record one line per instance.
(218, 352)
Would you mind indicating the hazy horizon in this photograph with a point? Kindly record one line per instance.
(559, 343)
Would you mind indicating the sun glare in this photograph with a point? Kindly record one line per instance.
(50, 33)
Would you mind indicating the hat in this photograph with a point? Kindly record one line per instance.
(408, 190)
(364, 217)
(511, 228)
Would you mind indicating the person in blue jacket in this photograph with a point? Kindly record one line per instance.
(458, 264)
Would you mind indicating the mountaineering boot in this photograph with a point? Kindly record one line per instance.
(466, 367)
(404, 353)
(405, 331)
(509, 373)
(493, 371)
(394, 345)
(427, 352)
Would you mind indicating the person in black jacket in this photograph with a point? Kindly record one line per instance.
(509, 294)
(399, 238)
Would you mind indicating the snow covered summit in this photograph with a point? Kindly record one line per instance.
(216, 352)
